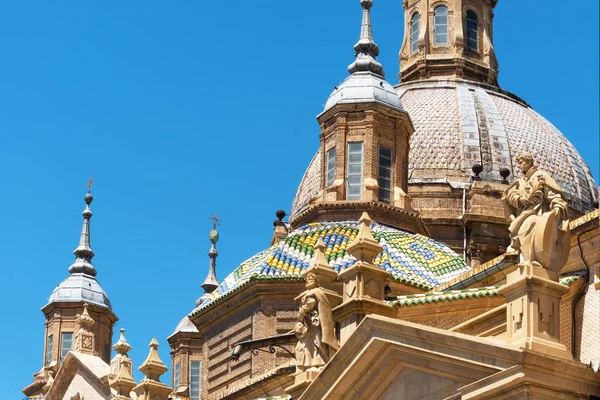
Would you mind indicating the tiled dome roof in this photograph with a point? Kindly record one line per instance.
(410, 258)
(80, 288)
(363, 87)
(459, 122)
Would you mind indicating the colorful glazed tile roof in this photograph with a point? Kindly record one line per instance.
(568, 279)
(449, 295)
(410, 258)
(437, 297)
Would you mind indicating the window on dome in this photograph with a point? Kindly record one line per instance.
(66, 344)
(472, 39)
(177, 376)
(330, 167)
(49, 349)
(414, 33)
(440, 25)
(195, 380)
(355, 171)
(385, 174)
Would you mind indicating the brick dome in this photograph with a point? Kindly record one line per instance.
(460, 123)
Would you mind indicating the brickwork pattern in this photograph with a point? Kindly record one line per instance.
(588, 318)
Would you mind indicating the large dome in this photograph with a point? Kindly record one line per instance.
(460, 123)
(410, 258)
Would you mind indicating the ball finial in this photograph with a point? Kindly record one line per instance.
(214, 236)
(280, 214)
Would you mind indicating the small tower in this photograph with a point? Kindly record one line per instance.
(211, 282)
(448, 38)
(75, 302)
(365, 141)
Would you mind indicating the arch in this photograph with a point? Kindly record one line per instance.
(440, 25)
(414, 33)
(471, 31)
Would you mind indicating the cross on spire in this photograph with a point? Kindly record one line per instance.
(90, 183)
(215, 220)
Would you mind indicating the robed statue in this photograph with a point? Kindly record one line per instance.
(538, 214)
(314, 329)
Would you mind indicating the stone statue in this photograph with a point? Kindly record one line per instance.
(314, 329)
(538, 212)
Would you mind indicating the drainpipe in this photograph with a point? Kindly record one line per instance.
(579, 296)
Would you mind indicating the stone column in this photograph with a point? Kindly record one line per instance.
(364, 283)
(533, 309)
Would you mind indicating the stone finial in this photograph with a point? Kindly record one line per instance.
(319, 265)
(153, 367)
(122, 347)
(123, 383)
(364, 247)
(151, 388)
(280, 230)
(85, 338)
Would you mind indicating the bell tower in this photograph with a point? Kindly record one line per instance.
(78, 315)
(448, 38)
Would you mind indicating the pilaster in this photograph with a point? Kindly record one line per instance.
(364, 283)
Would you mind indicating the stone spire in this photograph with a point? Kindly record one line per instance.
(364, 283)
(85, 338)
(121, 369)
(364, 246)
(122, 347)
(83, 252)
(211, 282)
(151, 388)
(366, 50)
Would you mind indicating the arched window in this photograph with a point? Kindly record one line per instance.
(472, 40)
(440, 25)
(414, 33)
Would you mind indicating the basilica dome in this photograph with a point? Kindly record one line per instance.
(460, 123)
(409, 258)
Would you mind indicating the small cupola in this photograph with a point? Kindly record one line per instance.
(365, 140)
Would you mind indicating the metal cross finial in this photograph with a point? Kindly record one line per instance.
(215, 220)
(90, 183)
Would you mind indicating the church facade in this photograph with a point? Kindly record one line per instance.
(400, 272)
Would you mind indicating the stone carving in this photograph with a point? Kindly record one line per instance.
(537, 211)
(314, 329)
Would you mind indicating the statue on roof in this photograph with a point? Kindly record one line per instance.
(538, 213)
(314, 329)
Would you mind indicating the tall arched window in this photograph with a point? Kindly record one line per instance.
(472, 40)
(440, 25)
(414, 33)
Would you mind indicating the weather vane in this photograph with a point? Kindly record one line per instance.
(215, 220)
(90, 182)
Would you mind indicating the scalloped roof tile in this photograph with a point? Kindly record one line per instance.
(411, 258)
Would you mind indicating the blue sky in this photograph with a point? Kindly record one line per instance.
(184, 108)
